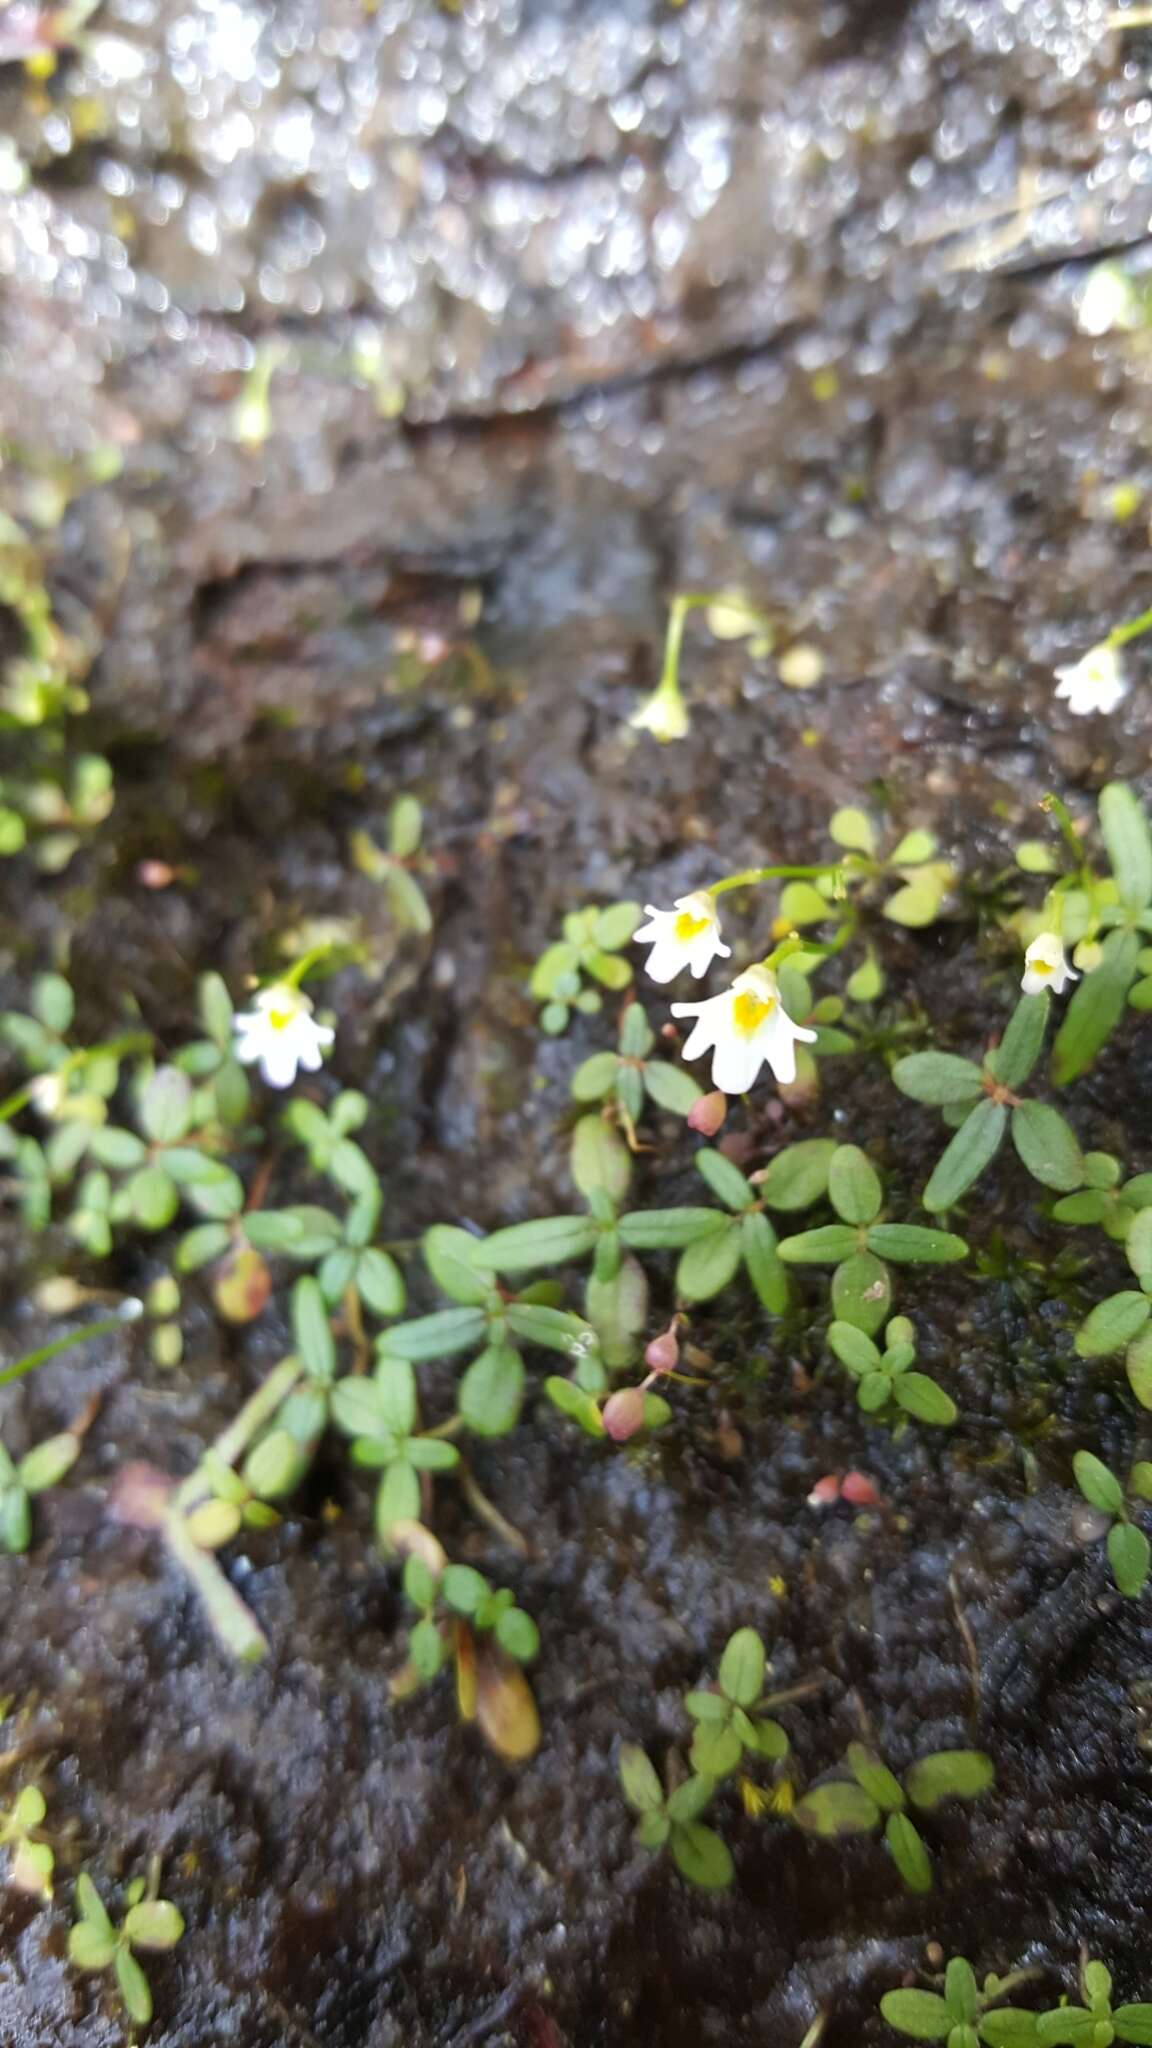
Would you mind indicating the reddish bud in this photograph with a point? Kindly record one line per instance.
(139, 1496)
(155, 874)
(707, 1115)
(857, 1488)
(663, 1353)
(825, 1492)
(623, 1414)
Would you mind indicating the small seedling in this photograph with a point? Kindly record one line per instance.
(1129, 1551)
(726, 1716)
(1095, 2023)
(672, 1820)
(95, 1943)
(394, 867)
(884, 1384)
(871, 1795)
(862, 1245)
(592, 944)
(1123, 1321)
(959, 2014)
(983, 1102)
(32, 1860)
(477, 1627)
(45, 1465)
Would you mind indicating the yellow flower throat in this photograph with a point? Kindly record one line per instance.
(748, 1012)
(689, 927)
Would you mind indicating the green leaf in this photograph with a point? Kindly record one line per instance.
(1113, 1323)
(906, 1848)
(573, 1402)
(839, 1808)
(380, 1282)
(595, 1077)
(653, 1830)
(701, 1856)
(1096, 1007)
(456, 1261)
(405, 824)
(853, 1348)
(1138, 1366)
(915, 847)
(919, 2013)
(397, 1498)
(1023, 1041)
(636, 1037)
(53, 1003)
(707, 1265)
(1130, 1556)
(742, 1668)
(91, 1907)
(618, 1311)
(154, 1197)
(910, 1244)
(154, 1924)
(854, 1185)
(670, 1087)
(862, 1291)
(724, 1179)
(491, 1392)
(853, 829)
(615, 925)
(1133, 2023)
(312, 1330)
(436, 1336)
(798, 1176)
(822, 1247)
(517, 1633)
(1047, 1146)
(552, 1241)
(1087, 1207)
(963, 1161)
(918, 903)
(866, 983)
(394, 1387)
(948, 1774)
(431, 1454)
(89, 1947)
(875, 1778)
(215, 1006)
(47, 1463)
(1138, 1244)
(133, 1987)
(920, 1396)
(667, 1230)
(768, 1277)
(1071, 2025)
(937, 1078)
(960, 1989)
(1125, 832)
(641, 1786)
(716, 1750)
(116, 1148)
(1009, 2027)
(801, 904)
(166, 1105)
(599, 1158)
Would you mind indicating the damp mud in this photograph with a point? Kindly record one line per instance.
(576, 307)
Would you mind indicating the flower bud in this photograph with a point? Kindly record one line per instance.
(663, 1353)
(856, 1488)
(623, 1414)
(825, 1492)
(707, 1115)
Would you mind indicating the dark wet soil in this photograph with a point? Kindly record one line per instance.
(282, 641)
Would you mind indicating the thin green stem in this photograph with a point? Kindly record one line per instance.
(133, 1041)
(1130, 630)
(748, 876)
(305, 964)
(234, 1440)
(1058, 810)
(234, 1624)
(53, 1350)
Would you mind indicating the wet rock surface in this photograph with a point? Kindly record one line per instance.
(664, 299)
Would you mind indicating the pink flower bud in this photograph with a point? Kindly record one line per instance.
(663, 1353)
(825, 1492)
(623, 1414)
(857, 1488)
(707, 1115)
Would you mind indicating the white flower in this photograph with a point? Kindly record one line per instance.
(1094, 683)
(664, 714)
(688, 936)
(280, 1033)
(745, 1026)
(1046, 967)
(1107, 301)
